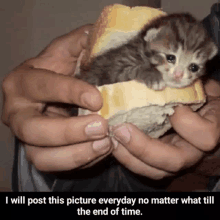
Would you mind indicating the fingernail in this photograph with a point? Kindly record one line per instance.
(122, 134)
(95, 129)
(101, 145)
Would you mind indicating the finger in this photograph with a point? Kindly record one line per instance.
(45, 86)
(213, 106)
(67, 157)
(135, 165)
(158, 154)
(212, 88)
(34, 129)
(202, 132)
(79, 35)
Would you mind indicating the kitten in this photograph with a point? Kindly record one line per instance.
(171, 51)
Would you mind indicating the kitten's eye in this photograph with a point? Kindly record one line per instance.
(193, 67)
(171, 58)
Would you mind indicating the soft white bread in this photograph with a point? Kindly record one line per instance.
(133, 102)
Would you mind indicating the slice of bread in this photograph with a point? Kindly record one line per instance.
(133, 102)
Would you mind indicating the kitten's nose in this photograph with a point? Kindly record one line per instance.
(178, 74)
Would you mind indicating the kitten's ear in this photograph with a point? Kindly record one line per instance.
(213, 50)
(151, 34)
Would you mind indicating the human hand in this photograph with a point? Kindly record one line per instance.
(53, 140)
(197, 134)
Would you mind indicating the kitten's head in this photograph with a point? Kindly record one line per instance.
(180, 48)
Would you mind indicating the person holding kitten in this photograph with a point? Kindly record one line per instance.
(61, 153)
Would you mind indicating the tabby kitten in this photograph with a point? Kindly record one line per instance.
(171, 51)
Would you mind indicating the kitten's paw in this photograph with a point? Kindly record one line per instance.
(158, 85)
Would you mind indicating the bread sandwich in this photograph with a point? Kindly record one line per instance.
(132, 101)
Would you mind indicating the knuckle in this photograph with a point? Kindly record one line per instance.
(24, 132)
(39, 164)
(179, 165)
(32, 155)
(77, 162)
(142, 152)
(4, 118)
(211, 141)
(21, 132)
(7, 84)
(152, 174)
(41, 161)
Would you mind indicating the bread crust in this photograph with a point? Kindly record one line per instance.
(116, 25)
(133, 94)
(125, 96)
